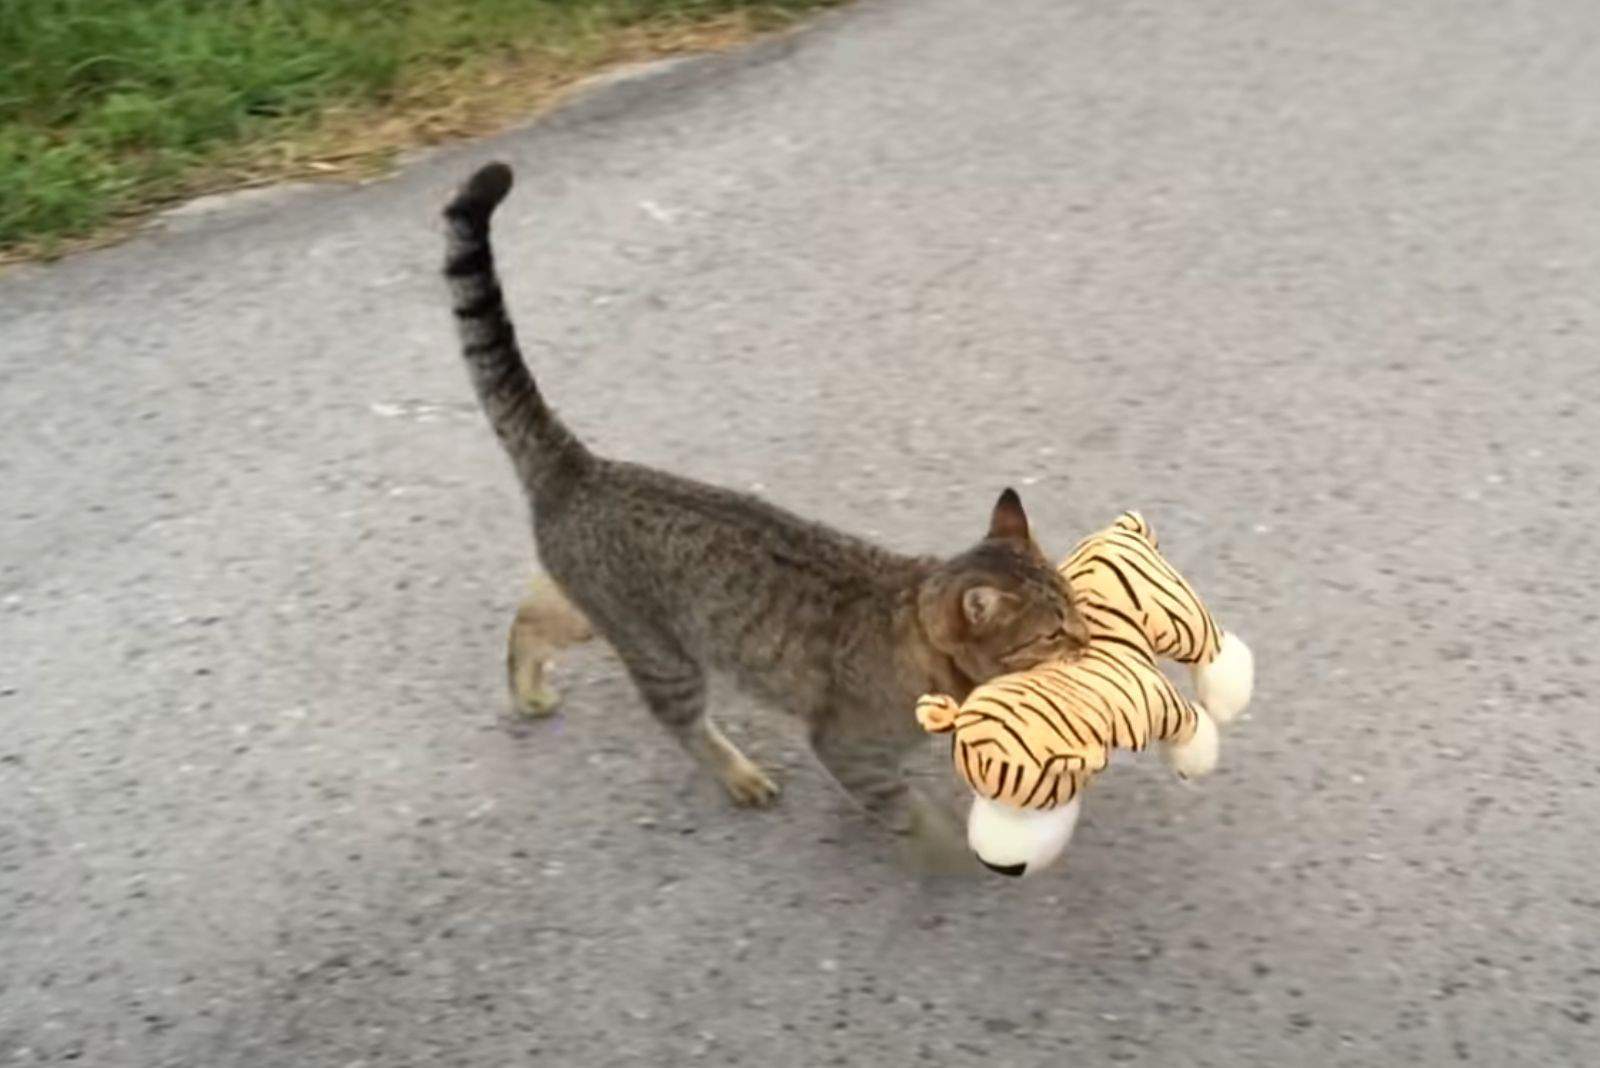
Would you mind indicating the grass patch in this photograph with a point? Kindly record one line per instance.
(109, 108)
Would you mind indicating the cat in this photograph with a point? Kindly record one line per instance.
(682, 578)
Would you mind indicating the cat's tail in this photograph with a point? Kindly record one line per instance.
(545, 452)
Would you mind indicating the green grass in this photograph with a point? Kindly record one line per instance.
(109, 106)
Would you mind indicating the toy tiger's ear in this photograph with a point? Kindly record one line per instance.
(1008, 520)
(1135, 523)
(937, 712)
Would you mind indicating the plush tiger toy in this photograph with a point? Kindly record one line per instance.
(1027, 744)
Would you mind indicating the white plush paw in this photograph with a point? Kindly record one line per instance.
(1197, 756)
(1225, 684)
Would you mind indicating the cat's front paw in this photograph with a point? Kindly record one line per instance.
(936, 842)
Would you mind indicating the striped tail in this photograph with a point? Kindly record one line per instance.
(544, 451)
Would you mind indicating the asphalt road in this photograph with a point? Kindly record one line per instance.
(1312, 285)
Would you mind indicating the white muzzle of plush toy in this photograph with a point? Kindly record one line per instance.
(1019, 841)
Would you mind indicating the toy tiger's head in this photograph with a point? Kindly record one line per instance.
(1025, 801)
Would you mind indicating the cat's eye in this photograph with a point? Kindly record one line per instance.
(1059, 634)
(1030, 650)
(1025, 646)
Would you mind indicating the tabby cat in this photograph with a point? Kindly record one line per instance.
(682, 578)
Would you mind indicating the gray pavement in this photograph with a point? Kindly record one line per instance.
(1313, 285)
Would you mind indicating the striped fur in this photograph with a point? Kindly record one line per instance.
(1034, 739)
(539, 444)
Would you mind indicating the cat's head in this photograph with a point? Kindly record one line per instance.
(1000, 607)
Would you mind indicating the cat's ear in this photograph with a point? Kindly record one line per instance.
(1008, 519)
(980, 604)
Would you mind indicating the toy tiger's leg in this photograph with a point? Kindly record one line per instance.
(1195, 755)
(1189, 737)
(546, 622)
(1226, 682)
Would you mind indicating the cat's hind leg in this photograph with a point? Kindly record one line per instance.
(546, 622)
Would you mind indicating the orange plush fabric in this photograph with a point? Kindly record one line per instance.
(1034, 739)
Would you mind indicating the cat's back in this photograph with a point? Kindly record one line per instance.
(668, 517)
(741, 583)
